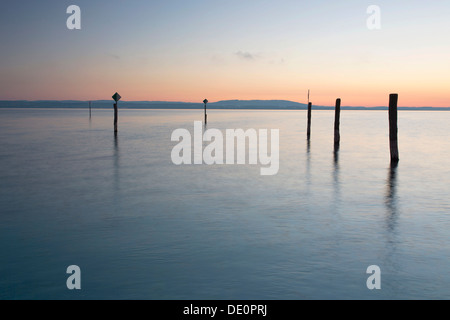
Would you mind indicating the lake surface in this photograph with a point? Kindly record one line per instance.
(141, 227)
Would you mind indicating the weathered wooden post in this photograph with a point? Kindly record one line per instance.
(116, 98)
(90, 114)
(308, 132)
(206, 116)
(337, 123)
(393, 128)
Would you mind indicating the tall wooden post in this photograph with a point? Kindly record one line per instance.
(309, 120)
(337, 122)
(393, 128)
(90, 113)
(206, 116)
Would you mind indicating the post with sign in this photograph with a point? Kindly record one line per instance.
(206, 116)
(116, 98)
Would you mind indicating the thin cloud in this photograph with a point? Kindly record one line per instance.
(246, 55)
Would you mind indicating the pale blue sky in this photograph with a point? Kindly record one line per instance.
(158, 50)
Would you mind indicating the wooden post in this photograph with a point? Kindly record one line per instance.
(337, 123)
(116, 97)
(90, 113)
(206, 116)
(393, 128)
(115, 117)
(309, 120)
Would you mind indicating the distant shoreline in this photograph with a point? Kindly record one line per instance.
(220, 105)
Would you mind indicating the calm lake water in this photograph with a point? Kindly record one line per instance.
(141, 227)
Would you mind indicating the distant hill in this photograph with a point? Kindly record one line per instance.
(258, 104)
(226, 104)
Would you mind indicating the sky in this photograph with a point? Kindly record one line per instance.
(189, 50)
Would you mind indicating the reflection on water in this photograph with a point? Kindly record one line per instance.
(336, 182)
(391, 197)
(204, 127)
(391, 220)
(116, 144)
(308, 165)
(116, 156)
(336, 153)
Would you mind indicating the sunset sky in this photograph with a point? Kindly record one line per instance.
(189, 50)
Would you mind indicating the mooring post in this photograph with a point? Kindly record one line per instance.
(337, 122)
(206, 116)
(116, 98)
(309, 120)
(393, 128)
(115, 117)
(90, 114)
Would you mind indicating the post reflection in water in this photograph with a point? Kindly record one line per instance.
(391, 198)
(336, 182)
(308, 164)
(336, 154)
(116, 163)
(204, 128)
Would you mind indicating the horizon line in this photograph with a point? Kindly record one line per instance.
(228, 100)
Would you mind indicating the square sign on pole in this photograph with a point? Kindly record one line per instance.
(116, 97)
